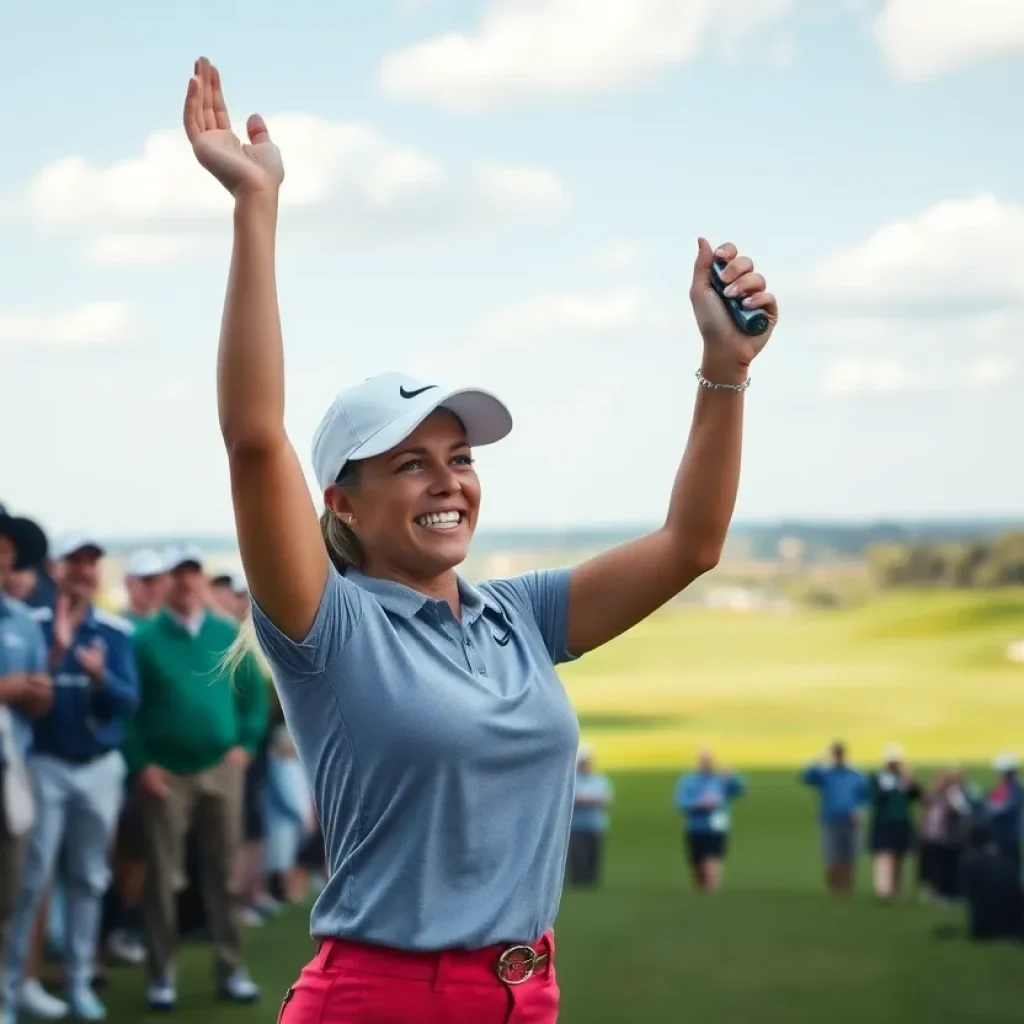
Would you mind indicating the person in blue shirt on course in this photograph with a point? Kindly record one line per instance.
(78, 773)
(843, 794)
(592, 798)
(703, 797)
(439, 741)
(26, 692)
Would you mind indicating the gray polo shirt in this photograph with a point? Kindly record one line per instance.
(442, 756)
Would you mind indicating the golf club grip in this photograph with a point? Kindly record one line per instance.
(749, 321)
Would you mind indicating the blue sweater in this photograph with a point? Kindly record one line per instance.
(843, 790)
(703, 798)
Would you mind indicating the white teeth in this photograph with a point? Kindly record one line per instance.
(440, 520)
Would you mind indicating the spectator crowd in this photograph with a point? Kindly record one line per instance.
(146, 791)
(965, 839)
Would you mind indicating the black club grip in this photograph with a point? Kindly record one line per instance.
(749, 321)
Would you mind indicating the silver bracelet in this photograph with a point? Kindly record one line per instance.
(712, 386)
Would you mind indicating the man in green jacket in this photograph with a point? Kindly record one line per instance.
(188, 749)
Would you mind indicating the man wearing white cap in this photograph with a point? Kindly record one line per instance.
(1005, 806)
(230, 596)
(78, 773)
(145, 581)
(189, 746)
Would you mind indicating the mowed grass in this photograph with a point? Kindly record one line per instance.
(645, 949)
(765, 691)
(926, 669)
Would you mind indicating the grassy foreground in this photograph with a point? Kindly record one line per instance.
(771, 949)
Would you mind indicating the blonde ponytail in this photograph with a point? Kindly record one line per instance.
(344, 551)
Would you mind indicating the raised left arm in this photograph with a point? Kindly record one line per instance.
(614, 591)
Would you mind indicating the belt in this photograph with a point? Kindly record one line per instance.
(78, 760)
(509, 965)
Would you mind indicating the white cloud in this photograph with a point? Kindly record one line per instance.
(569, 313)
(93, 323)
(323, 161)
(525, 50)
(156, 207)
(877, 374)
(615, 256)
(857, 375)
(965, 252)
(520, 188)
(922, 39)
(989, 371)
(135, 248)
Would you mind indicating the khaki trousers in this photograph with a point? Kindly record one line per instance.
(212, 802)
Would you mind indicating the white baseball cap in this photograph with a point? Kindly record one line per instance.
(892, 753)
(1006, 763)
(73, 541)
(145, 562)
(182, 554)
(371, 418)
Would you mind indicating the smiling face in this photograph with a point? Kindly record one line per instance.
(80, 574)
(414, 508)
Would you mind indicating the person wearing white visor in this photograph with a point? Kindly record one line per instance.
(145, 582)
(438, 739)
(893, 793)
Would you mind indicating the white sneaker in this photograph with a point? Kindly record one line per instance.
(126, 948)
(85, 1004)
(162, 996)
(238, 987)
(252, 918)
(268, 906)
(34, 1000)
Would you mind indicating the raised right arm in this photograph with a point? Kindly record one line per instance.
(286, 563)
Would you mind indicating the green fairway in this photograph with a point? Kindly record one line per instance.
(927, 670)
(771, 949)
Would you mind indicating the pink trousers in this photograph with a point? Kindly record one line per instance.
(353, 983)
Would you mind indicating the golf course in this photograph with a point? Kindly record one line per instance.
(766, 691)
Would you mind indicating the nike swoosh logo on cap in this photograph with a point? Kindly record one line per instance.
(418, 391)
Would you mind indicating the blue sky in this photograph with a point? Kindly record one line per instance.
(508, 192)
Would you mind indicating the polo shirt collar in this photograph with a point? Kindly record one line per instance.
(402, 600)
(193, 629)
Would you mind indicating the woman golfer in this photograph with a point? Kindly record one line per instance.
(439, 742)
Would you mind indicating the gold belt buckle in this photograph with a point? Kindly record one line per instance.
(517, 964)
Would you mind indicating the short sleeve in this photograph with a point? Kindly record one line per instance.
(337, 618)
(543, 595)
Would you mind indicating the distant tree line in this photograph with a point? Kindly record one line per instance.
(993, 562)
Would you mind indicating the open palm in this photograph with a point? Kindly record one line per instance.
(255, 167)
